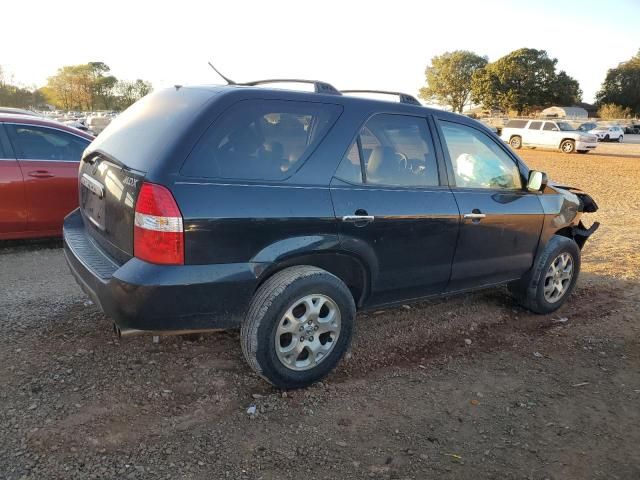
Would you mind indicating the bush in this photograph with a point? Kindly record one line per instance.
(611, 111)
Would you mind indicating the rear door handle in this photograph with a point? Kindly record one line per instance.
(364, 219)
(40, 174)
(474, 216)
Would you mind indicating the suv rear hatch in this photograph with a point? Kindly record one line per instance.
(141, 143)
(108, 193)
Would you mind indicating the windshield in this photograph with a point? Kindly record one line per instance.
(564, 126)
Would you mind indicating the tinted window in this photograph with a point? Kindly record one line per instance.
(396, 150)
(42, 143)
(535, 125)
(478, 162)
(350, 169)
(516, 123)
(261, 140)
(549, 126)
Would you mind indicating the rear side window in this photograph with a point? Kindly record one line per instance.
(42, 143)
(535, 125)
(516, 124)
(261, 140)
(394, 150)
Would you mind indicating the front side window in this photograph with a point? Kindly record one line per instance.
(535, 125)
(548, 126)
(41, 143)
(261, 140)
(394, 150)
(477, 161)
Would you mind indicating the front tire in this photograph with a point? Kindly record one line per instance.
(620, 138)
(298, 327)
(606, 138)
(568, 146)
(552, 279)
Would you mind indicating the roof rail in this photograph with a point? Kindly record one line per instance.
(404, 97)
(319, 87)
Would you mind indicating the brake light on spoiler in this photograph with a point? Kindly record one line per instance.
(158, 233)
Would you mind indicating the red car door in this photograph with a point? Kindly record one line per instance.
(48, 158)
(13, 209)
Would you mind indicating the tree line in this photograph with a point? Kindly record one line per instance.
(523, 81)
(86, 87)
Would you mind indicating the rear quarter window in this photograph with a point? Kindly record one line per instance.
(261, 140)
(516, 124)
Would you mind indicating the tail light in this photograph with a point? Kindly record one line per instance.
(158, 235)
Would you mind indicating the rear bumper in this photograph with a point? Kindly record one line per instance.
(143, 296)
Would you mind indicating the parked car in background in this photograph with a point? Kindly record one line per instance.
(17, 111)
(283, 212)
(38, 175)
(608, 133)
(632, 129)
(97, 123)
(547, 134)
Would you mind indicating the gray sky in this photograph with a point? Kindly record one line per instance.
(378, 45)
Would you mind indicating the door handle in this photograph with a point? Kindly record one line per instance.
(40, 174)
(358, 218)
(474, 216)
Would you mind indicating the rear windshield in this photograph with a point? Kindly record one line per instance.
(139, 136)
(261, 140)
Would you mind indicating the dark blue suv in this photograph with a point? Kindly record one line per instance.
(284, 212)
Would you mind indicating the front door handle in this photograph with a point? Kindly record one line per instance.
(40, 174)
(474, 216)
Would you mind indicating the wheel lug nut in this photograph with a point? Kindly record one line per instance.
(310, 322)
(302, 339)
(301, 329)
(316, 327)
(311, 338)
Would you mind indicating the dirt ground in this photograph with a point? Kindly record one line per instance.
(531, 397)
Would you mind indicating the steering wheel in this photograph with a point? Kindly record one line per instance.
(403, 161)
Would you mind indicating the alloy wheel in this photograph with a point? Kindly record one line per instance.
(307, 332)
(558, 277)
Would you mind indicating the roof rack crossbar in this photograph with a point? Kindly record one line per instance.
(319, 87)
(404, 97)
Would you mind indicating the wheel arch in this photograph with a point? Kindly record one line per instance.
(346, 266)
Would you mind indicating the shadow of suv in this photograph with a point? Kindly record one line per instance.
(285, 212)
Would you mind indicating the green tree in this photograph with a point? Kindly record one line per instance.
(131, 92)
(621, 86)
(103, 86)
(448, 78)
(521, 80)
(16, 96)
(611, 111)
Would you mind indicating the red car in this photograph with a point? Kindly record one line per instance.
(38, 175)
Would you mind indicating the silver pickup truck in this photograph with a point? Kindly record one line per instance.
(547, 134)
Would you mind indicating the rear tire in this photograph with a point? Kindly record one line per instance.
(552, 279)
(298, 327)
(606, 138)
(568, 146)
(620, 138)
(515, 142)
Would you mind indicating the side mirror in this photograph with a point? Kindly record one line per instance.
(537, 181)
(555, 129)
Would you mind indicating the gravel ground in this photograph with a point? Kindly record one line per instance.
(465, 387)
